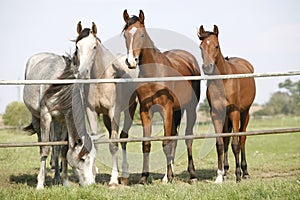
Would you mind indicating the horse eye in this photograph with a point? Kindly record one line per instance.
(217, 46)
(143, 35)
(94, 47)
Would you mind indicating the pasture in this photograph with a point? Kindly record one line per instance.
(273, 164)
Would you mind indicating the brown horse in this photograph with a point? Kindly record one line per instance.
(170, 99)
(229, 100)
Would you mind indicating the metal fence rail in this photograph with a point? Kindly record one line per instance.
(143, 80)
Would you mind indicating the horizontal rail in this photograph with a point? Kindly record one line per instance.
(159, 138)
(143, 80)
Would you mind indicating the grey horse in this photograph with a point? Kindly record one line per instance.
(53, 119)
(94, 61)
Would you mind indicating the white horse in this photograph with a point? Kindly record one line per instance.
(52, 119)
(94, 61)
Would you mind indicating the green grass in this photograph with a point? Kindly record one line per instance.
(273, 163)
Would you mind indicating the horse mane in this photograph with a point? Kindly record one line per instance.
(206, 35)
(62, 92)
(131, 21)
(68, 99)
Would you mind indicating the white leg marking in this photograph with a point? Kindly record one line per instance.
(114, 171)
(165, 178)
(219, 178)
(41, 175)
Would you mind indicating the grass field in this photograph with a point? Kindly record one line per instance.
(273, 163)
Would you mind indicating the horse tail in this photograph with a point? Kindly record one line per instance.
(30, 129)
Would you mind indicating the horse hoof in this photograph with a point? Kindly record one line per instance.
(225, 177)
(113, 186)
(246, 176)
(124, 181)
(238, 180)
(143, 181)
(193, 181)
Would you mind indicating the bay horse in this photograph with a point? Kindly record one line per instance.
(94, 61)
(170, 99)
(53, 124)
(229, 100)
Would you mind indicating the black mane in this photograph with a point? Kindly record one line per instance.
(131, 21)
(206, 35)
(83, 34)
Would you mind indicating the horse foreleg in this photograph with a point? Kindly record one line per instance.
(113, 147)
(146, 118)
(64, 166)
(168, 145)
(56, 131)
(227, 128)
(128, 118)
(190, 121)
(235, 145)
(218, 125)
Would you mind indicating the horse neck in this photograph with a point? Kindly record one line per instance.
(151, 57)
(221, 64)
(103, 61)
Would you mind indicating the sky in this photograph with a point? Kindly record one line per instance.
(266, 33)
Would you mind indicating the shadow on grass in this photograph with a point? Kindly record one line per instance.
(202, 175)
(31, 179)
(104, 178)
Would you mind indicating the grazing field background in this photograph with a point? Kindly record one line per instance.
(273, 163)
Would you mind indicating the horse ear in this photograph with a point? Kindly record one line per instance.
(79, 27)
(201, 31)
(216, 30)
(94, 28)
(141, 16)
(125, 16)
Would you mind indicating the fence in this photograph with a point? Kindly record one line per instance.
(141, 80)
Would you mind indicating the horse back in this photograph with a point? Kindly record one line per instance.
(185, 64)
(245, 86)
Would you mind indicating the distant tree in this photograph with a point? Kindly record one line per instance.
(285, 102)
(16, 114)
(278, 104)
(293, 90)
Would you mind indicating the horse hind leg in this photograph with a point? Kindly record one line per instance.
(44, 150)
(235, 144)
(244, 123)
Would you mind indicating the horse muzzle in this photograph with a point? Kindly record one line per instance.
(132, 63)
(208, 69)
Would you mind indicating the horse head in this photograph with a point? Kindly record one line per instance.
(81, 157)
(135, 37)
(82, 152)
(210, 49)
(87, 46)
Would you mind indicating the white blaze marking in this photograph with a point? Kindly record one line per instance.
(132, 32)
(207, 42)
